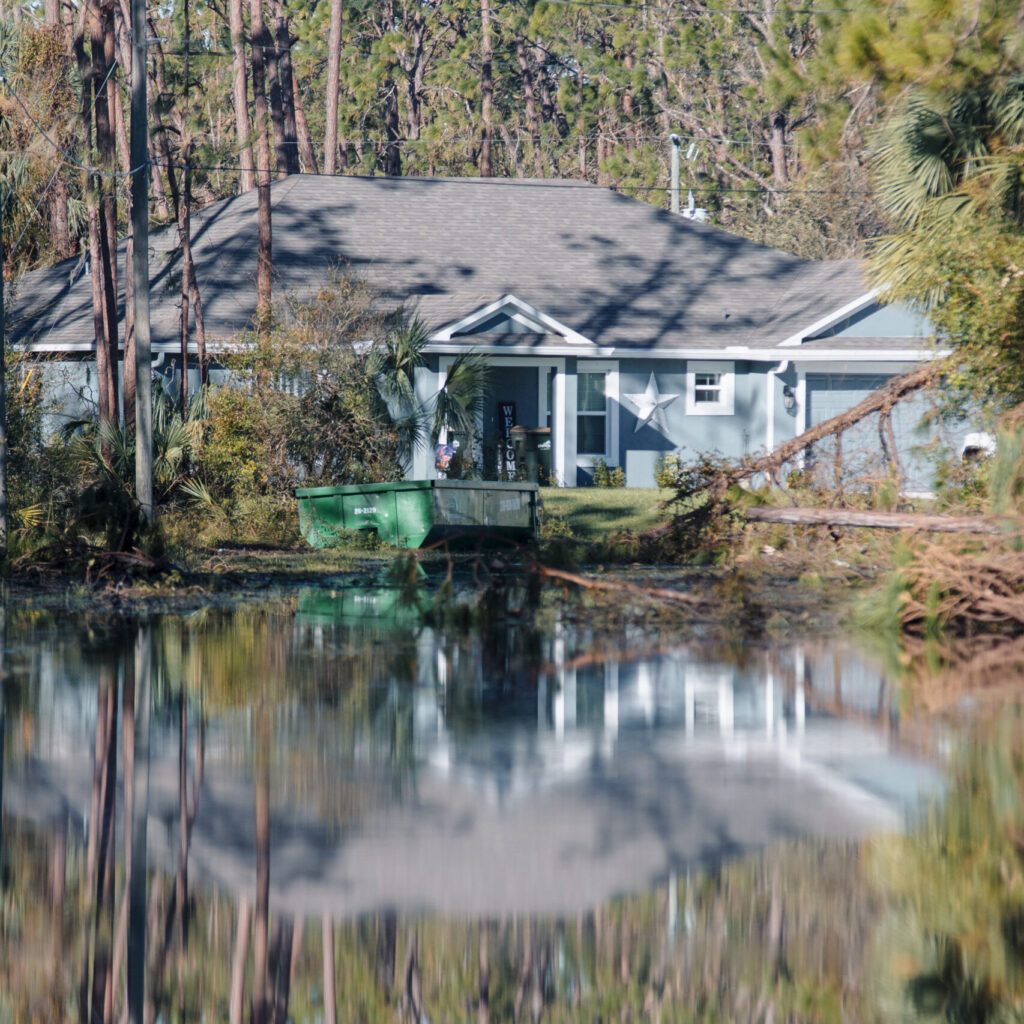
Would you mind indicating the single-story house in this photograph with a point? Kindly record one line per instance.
(628, 332)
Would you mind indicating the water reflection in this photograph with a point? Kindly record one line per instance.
(434, 820)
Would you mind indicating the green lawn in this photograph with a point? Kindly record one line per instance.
(596, 512)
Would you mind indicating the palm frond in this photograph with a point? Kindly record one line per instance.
(461, 398)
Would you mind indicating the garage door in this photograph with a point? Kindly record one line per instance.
(829, 395)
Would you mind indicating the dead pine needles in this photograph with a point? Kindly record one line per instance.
(955, 592)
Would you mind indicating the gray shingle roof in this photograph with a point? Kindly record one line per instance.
(619, 271)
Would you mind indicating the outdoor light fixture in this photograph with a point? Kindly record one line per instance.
(788, 398)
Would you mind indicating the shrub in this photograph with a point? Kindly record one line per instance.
(667, 469)
(604, 476)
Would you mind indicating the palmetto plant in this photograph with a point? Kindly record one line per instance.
(106, 455)
(939, 165)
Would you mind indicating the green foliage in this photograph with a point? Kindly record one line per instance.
(666, 469)
(949, 945)
(461, 398)
(608, 477)
(304, 408)
(703, 506)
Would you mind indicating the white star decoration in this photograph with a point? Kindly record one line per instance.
(649, 405)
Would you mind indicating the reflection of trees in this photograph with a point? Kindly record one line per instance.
(951, 946)
(617, 962)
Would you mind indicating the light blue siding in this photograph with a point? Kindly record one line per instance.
(881, 321)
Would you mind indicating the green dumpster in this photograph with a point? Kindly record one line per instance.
(414, 513)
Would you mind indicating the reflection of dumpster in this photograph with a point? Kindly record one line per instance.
(533, 452)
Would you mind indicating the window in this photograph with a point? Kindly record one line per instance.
(591, 414)
(710, 389)
(707, 387)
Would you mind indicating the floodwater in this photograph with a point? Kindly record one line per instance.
(321, 807)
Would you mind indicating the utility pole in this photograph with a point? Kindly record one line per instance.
(674, 191)
(140, 264)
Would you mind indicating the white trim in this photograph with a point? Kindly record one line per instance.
(801, 401)
(755, 355)
(610, 369)
(726, 403)
(839, 368)
(558, 416)
(524, 314)
(771, 377)
(861, 302)
(451, 348)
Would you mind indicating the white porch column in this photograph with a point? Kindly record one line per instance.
(425, 385)
(563, 422)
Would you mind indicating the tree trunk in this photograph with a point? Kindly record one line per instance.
(284, 66)
(103, 295)
(60, 229)
(873, 520)
(392, 134)
(484, 977)
(333, 85)
(284, 933)
(530, 100)
(387, 940)
(184, 238)
(273, 90)
(105, 109)
(330, 992)
(306, 150)
(777, 147)
(264, 265)
(486, 88)
(238, 961)
(260, 1000)
(239, 96)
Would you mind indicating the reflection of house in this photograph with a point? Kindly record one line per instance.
(591, 711)
(629, 332)
(607, 777)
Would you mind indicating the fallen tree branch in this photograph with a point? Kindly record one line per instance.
(870, 519)
(882, 400)
(620, 586)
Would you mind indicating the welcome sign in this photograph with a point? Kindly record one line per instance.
(506, 451)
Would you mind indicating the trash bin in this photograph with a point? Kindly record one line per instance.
(533, 452)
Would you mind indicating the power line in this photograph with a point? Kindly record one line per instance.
(610, 4)
(560, 183)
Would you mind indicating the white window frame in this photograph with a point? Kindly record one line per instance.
(726, 403)
(610, 455)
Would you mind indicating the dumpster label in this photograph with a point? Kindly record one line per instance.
(507, 451)
(510, 504)
(369, 510)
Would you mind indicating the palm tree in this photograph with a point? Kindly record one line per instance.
(939, 166)
(950, 175)
(453, 410)
(392, 364)
(461, 399)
